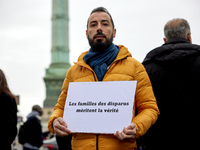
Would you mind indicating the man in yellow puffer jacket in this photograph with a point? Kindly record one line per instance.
(107, 62)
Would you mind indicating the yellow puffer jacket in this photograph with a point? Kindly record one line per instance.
(124, 68)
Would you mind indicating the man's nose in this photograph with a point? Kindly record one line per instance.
(99, 28)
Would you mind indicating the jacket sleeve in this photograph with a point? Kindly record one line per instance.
(59, 107)
(145, 102)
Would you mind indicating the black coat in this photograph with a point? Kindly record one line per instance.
(8, 123)
(174, 70)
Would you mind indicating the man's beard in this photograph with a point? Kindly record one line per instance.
(99, 45)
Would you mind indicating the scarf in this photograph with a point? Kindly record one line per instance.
(99, 61)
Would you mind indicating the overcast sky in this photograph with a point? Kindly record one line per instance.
(25, 35)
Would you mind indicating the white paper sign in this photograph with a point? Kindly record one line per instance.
(99, 107)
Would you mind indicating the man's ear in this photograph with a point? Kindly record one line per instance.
(165, 40)
(189, 38)
(86, 34)
(114, 33)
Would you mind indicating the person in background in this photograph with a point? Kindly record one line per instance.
(33, 129)
(174, 71)
(106, 61)
(8, 113)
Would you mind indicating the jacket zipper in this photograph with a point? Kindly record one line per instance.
(97, 135)
(94, 76)
(97, 141)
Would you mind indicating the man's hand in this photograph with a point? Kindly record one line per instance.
(60, 127)
(127, 133)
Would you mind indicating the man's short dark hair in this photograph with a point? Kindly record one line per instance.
(102, 9)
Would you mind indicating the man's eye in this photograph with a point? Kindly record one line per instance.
(92, 25)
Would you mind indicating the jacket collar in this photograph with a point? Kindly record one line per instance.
(177, 40)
